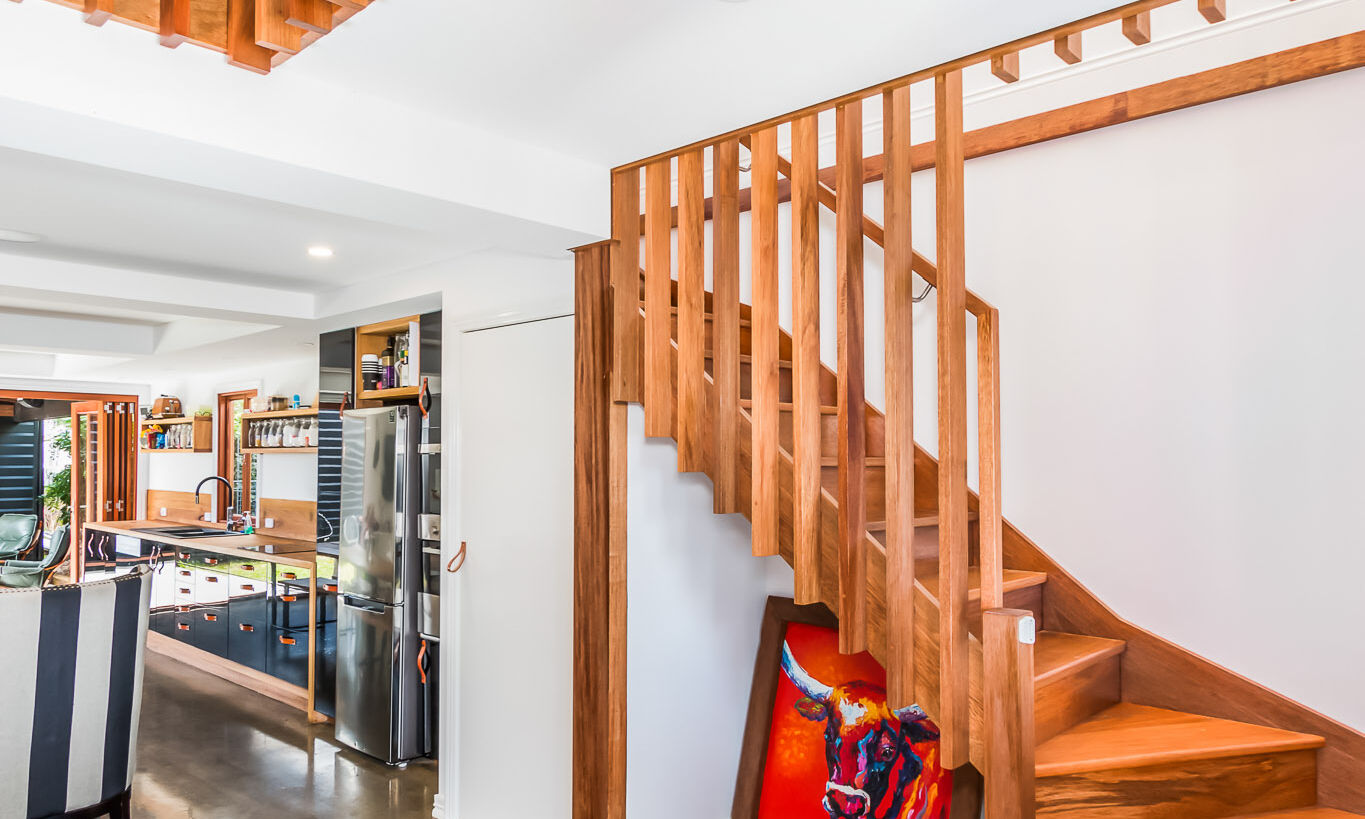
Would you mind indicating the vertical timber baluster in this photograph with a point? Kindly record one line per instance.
(852, 405)
(725, 323)
(658, 287)
(988, 441)
(900, 426)
(627, 333)
(1007, 637)
(691, 307)
(593, 448)
(954, 669)
(806, 357)
(764, 344)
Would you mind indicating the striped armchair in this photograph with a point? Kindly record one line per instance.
(72, 693)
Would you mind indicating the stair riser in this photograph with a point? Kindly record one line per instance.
(784, 346)
(1069, 698)
(1195, 789)
(829, 435)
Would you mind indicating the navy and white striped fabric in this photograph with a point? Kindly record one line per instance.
(71, 689)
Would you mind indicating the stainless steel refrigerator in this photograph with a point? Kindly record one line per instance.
(380, 700)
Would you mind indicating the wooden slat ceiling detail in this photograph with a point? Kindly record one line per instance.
(254, 34)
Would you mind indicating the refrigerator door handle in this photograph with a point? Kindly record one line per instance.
(453, 566)
(361, 603)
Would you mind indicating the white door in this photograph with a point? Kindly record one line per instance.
(515, 593)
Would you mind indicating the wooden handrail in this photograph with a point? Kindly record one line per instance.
(1125, 11)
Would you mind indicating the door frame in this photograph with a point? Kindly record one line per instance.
(127, 475)
(226, 444)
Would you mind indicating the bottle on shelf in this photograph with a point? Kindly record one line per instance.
(386, 378)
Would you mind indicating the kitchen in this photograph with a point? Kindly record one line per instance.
(293, 531)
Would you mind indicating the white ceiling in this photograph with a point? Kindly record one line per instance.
(618, 80)
(118, 219)
(420, 131)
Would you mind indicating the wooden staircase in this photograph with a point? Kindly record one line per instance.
(1097, 754)
(1063, 707)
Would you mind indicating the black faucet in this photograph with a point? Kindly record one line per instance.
(225, 483)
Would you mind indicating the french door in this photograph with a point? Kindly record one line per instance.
(103, 474)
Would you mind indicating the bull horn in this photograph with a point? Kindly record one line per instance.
(803, 681)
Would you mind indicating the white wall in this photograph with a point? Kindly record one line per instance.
(1181, 347)
(696, 597)
(290, 476)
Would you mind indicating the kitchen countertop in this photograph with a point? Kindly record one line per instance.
(299, 553)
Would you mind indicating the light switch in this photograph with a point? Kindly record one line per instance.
(163, 511)
(270, 523)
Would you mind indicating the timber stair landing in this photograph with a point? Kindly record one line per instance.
(1097, 755)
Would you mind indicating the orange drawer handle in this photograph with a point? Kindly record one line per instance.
(290, 576)
(183, 626)
(185, 573)
(184, 591)
(212, 618)
(289, 641)
(211, 579)
(246, 627)
(184, 608)
(289, 598)
(248, 587)
(212, 561)
(247, 567)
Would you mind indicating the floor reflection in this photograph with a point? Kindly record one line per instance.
(209, 749)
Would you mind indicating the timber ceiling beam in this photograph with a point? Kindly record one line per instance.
(254, 34)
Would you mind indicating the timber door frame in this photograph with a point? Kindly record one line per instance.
(226, 446)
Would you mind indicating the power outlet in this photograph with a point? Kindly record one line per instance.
(270, 523)
(163, 511)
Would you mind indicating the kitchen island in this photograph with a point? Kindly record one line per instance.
(244, 607)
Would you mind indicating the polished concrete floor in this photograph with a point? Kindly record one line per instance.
(210, 749)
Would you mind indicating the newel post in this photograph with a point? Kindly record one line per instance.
(599, 661)
(1007, 639)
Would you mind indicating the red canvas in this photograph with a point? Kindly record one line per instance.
(797, 782)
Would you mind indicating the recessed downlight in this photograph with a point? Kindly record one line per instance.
(18, 236)
(320, 252)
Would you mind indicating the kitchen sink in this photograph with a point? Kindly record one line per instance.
(186, 531)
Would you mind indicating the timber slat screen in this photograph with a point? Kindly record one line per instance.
(774, 449)
(790, 411)
(665, 331)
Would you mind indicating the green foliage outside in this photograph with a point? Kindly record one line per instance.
(57, 493)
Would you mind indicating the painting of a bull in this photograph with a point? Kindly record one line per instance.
(869, 748)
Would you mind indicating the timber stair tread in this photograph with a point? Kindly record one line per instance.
(1127, 735)
(1059, 653)
(926, 574)
(877, 528)
(1301, 813)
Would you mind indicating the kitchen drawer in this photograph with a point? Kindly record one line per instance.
(183, 625)
(248, 634)
(287, 655)
(246, 587)
(209, 629)
(210, 588)
(290, 609)
(162, 622)
(184, 586)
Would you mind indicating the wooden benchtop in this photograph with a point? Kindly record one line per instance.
(300, 553)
